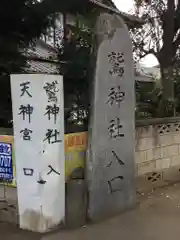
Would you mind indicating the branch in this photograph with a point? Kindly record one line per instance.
(178, 5)
(150, 51)
(168, 26)
(176, 44)
(145, 52)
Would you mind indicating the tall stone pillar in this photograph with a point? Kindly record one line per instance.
(110, 162)
(38, 121)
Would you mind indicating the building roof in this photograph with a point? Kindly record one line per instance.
(112, 8)
(41, 67)
(148, 71)
(42, 58)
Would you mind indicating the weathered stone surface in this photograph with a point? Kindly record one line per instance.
(76, 203)
(110, 162)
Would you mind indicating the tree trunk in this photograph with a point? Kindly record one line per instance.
(167, 104)
(166, 57)
(167, 83)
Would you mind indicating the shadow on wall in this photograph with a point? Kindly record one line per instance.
(76, 199)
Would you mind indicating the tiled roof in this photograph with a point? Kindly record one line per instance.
(42, 50)
(42, 58)
(115, 10)
(42, 67)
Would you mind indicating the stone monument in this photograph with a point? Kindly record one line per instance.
(38, 121)
(110, 166)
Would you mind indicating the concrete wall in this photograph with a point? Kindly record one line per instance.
(157, 157)
(157, 152)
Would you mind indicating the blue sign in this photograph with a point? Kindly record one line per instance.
(6, 165)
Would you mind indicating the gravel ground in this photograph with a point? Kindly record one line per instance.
(156, 217)
(12, 232)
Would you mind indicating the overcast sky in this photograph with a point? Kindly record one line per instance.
(127, 6)
(124, 5)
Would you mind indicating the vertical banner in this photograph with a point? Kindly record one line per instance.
(38, 118)
(6, 165)
(75, 152)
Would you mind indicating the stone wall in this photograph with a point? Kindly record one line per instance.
(157, 152)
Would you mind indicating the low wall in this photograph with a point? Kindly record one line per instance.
(157, 156)
(157, 152)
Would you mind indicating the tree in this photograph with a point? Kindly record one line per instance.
(77, 53)
(77, 72)
(160, 36)
(148, 96)
(22, 21)
(17, 30)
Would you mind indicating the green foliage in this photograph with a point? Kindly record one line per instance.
(147, 100)
(150, 103)
(160, 36)
(20, 23)
(24, 20)
(77, 53)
